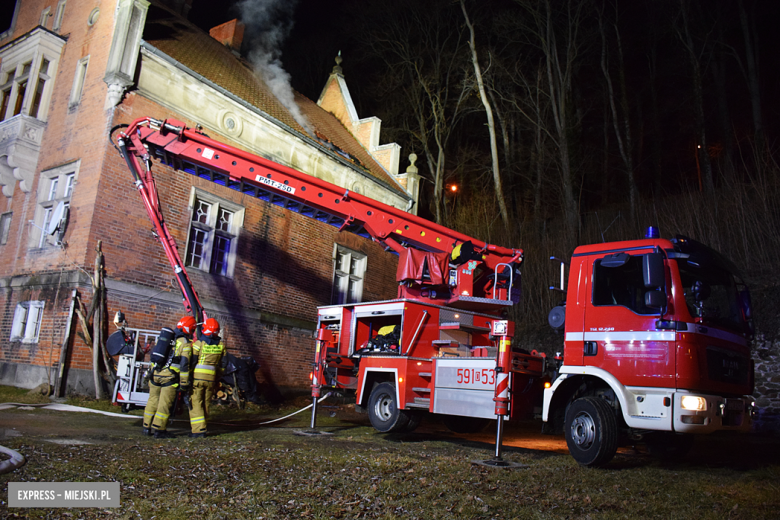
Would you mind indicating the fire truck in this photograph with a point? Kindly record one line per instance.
(655, 330)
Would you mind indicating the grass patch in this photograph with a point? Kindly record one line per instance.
(247, 471)
(272, 474)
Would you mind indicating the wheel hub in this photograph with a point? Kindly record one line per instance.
(583, 430)
(384, 408)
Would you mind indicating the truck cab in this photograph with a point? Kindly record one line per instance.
(656, 345)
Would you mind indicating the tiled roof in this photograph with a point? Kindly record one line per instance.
(199, 52)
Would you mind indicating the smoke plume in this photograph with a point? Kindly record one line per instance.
(267, 25)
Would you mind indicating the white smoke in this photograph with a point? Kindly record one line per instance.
(267, 25)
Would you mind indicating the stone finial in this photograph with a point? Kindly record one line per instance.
(337, 69)
(412, 168)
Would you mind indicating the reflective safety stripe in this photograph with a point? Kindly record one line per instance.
(161, 415)
(197, 419)
(205, 368)
(617, 335)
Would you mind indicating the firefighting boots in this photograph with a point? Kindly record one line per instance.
(146, 431)
(163, 434)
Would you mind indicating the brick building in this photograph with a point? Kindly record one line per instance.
(70, 70)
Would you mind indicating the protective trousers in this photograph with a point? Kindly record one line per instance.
(159, 406)
(202, 394)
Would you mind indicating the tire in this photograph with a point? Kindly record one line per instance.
(460, 424)
(415, 418)
(591, 431)
(668, 446)
(383, 410)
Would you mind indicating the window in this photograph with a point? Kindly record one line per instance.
(78, 82)
(349, 271)
(711, 293)
(56, 186)
(27, 71)
(45, 14)
(58, 15)
(27, 321)
(5, 227)
(213, 234)
(621, 285)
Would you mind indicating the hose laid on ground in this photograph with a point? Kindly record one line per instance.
(16, 460)
(65, 408)
(70, 408)
(294, 413)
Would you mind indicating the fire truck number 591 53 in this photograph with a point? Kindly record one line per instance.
(470, 376)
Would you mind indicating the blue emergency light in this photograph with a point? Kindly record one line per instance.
(652, 232)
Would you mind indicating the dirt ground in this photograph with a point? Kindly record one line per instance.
(741, 452)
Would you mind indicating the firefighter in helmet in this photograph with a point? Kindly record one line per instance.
(169, 376)
(208, 351)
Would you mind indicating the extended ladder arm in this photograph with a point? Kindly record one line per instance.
(133, 151)
(193, 152)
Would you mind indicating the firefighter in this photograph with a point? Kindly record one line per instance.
(167, 378)
(208, 351)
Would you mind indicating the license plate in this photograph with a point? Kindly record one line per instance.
(735, 405)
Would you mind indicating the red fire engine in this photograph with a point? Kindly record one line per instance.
(634, 365)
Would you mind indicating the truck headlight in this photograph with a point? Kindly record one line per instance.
(692, 402)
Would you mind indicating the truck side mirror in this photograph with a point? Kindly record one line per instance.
(653, 270)
(655, 299)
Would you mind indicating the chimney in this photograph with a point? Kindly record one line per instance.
(229, 33)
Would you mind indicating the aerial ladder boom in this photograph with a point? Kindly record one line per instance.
(189, 150)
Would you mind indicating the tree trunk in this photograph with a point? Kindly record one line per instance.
(707, 184)
(491, 124)
(620, 117)
(753, 82)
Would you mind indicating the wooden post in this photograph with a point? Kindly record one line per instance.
(96, 320)
(59, 381)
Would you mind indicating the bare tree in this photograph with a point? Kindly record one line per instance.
(557, 35)
(619, 109)
(694, 53)
(490, 123)
(750, 36)
(422, 50)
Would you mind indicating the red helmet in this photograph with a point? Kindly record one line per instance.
(210, 327)
(186, 324)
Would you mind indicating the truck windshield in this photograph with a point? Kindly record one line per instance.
(712, 293)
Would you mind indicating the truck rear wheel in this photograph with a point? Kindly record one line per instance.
(591, 431)
(383, 410)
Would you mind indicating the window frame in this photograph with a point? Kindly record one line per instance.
(54, 186)
(211, 232)
(59, 14)
(79, 80)
(21, 325)
(348, 286)
(611, 290)
(33, 49)
(5, 226)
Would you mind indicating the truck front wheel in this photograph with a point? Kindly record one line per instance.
(591, 431)
(383, 410)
